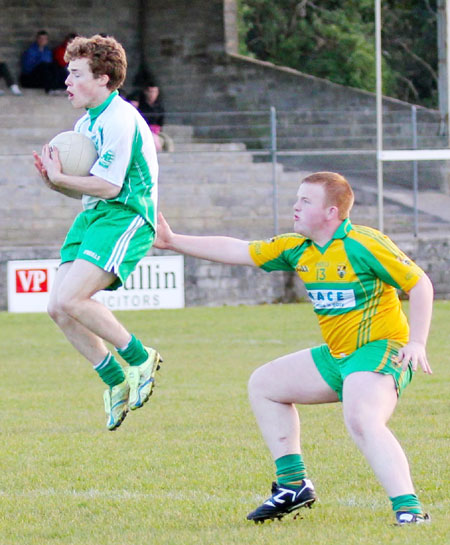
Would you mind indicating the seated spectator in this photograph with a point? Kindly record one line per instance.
(149, 103)
(9, 80)
(60, 50)
(39, 71)
(133, 98)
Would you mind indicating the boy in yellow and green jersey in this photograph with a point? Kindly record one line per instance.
(352, 283)
(351, 274)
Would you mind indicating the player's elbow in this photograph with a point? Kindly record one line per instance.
(111, 191)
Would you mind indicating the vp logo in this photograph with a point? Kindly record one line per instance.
(31, 280)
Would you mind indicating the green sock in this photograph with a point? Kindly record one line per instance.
(110, 371)
(407, 502)
(290, 469)
(134, 353)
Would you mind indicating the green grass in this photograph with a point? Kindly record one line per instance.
(187, 468)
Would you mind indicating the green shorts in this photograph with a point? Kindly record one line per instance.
(377, 356)
(111, 236)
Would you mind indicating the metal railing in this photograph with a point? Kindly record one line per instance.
(302, 140)
(304, 137)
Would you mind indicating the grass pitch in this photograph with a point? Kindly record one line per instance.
(187, 468)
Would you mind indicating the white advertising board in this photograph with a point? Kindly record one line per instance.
(157, 282)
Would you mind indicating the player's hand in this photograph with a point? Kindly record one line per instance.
(51, 163)
(42, 171)
(415, 353)
(164, 234)
(39, 166)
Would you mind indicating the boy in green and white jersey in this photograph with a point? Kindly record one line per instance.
(116, 228)
(126, 155)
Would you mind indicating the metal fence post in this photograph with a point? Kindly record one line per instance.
(379, 113)
(415, 170)
(273, 154)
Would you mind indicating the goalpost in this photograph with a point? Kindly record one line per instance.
(401, 154)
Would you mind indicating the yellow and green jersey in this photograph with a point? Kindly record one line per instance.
(352, 282)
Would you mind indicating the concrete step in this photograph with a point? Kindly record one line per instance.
(14, 141)
(226, 122)
(357, 129)
(228, 170)
(195, 156)
(54, 118)
(367, 116)
(316, 139)
(199, 147)
(179, 132)
(33, 101)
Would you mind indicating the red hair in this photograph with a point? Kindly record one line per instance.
(106, 56)
(338, 191)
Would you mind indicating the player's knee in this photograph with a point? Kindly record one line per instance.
(359, 423)
(68, 306)
(52, 311)
(354, 425)
(62, 307)
(257, 383)
(55, 311)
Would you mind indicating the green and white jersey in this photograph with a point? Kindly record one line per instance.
(126, 155)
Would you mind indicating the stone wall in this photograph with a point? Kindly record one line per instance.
(187, 31)
(214, 284)
(19, 22)
(189, 46)
(433, 255)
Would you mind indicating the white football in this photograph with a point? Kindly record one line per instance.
(77, 152)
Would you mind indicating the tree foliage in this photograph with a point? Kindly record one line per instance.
(335, 39)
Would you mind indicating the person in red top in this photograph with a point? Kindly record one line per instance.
(60, 50)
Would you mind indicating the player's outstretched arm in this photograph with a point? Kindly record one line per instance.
(232, 251)
(420, 310)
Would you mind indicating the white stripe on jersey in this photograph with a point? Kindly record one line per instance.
(121, 246)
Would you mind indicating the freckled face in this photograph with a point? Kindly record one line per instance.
(85, 91)
(309, 209)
